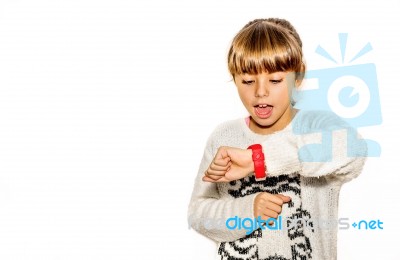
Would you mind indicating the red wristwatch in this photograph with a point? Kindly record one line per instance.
(259, 163)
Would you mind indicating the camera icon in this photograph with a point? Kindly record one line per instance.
(351, 92)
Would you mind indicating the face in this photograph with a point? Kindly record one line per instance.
(266, 97)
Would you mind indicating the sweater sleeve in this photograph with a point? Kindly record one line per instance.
(208, 212)
(318, 144)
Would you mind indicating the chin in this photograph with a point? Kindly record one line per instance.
(264, 122)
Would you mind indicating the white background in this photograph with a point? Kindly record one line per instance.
(105, 108)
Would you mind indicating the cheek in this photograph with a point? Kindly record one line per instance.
(283, 94)
(245, 96)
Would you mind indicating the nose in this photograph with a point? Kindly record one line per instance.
(261, 90)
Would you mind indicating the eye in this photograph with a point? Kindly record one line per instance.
(276, 81)
(247, 82)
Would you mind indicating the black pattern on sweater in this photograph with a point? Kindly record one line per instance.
(246, 248)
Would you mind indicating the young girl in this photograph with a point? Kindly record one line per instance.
(277, 164)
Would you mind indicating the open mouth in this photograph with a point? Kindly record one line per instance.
(263, 110)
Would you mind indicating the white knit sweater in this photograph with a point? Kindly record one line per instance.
(297, 166)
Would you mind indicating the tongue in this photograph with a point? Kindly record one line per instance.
(263, 110)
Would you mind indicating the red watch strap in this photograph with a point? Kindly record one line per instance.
(259, 162)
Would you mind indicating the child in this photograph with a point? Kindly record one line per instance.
(277, 164)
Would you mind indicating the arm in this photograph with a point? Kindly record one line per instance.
(208, 212)
(318, 144)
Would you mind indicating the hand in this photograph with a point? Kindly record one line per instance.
(267, 205)
(229, 164)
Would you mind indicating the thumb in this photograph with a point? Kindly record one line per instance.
(284, 198)
(222, 153)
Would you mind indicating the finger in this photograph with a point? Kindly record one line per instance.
(284, 198)
(208, 179)
(274, 207)
(222, 162)
(271, 223)
(211, 173)
(222, 153)
(267, 213)
(268, 197)
(221, 179)
(214, 177)
(217, 167)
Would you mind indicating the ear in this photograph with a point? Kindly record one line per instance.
(298, 82)
(300, 76)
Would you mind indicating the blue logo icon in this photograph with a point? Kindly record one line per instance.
(349, 91)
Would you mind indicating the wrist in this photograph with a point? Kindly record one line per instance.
(258, 159)
(249, 163)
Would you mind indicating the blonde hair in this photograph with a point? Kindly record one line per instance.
(266, 45)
